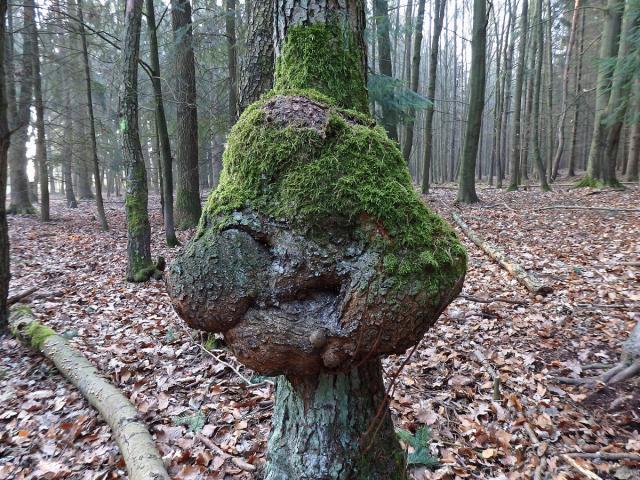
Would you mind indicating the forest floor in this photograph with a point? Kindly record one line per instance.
(209, 424)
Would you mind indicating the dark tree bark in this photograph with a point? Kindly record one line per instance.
(5, 274)
(439, 10)
(576, 99)
(102, 216)
(258, 61)
(139, 264)
(466, 184)
(517, 99)
(415, 77)
(232, 59)
(41, 148)
(187, 211)
(381, 12)
(163, 133)
(67, 152)
(633, 160)
(20, 200)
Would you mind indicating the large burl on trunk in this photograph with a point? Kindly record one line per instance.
(316, 257)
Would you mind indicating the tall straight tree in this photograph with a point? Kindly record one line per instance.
(466, 183)
(633, 160)
(4, 148)
(187, 211)
(20, 200)
(232, 59)
(415, 77)
(439, 9)
(41, 147)
(381, 12)
(257, 62)
(97, 178)
(139, 264)
(161, 125)
(517, 99)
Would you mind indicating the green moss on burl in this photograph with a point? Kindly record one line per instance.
(37, 334)
(349, 174)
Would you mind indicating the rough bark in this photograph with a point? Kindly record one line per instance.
(633, 162)
(466, 183)
(97, 179)
(381, 13)
(20, 200)
(257, 64)
(528, 280)
(138, 450)
(232, 59)
(139, 264)
(415, 77)
(187, 211)
(5, 139)
(440, 7)
(163, 134)
(576, 100)
(67, 152)
(517, 99)
(41, 148)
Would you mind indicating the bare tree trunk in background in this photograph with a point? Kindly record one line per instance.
(466, 183)
(67, 152)
(439, 7)
(232, 59)
(139, 264)
(517, 99)
(549, 50)
(5, 274)
(41, 147)
(381, 13)
(506, 104)
(20, 201)
(576, 99)
(97, 179)
(415, 77)
(187, 211)
(163, 134)
(633, 160)
(565, 90)
(256, 73)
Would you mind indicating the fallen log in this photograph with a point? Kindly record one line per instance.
(136, 445)
(527, 279)
(579, 207)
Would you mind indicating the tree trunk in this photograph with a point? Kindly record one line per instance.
(608, 49)
(415, 77)
(565, 90)
(139, 264)
(576, 99)
(381, 13)
(257, 62)
(67, 152)
(163, 133)
(20, 200)
(466, 184)
(5, 139)
(232, 60)
(439, 10)
(633, 161)
(92, 127)
(41, 148)
(187, 211)
(318, 421)
(517, 99)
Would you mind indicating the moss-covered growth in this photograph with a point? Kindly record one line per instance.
(590, 182)
(327, 58)
(37, 334)
(346, 173)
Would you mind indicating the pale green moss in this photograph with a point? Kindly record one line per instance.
(37, 334)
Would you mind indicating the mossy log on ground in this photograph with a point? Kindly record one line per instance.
(130, 433)
(528, 280)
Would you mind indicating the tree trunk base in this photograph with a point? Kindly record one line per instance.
(334, 427)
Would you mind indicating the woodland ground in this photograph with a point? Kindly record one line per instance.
(132, 334)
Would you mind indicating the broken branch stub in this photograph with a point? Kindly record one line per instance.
(315, 253)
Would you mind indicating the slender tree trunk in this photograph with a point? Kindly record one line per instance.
(633, 160)
(163, 133)
(41, 148)
(67, 152)
(576, 99)
(139, 264)
(381, 13)
(517, 99)
(549, 51)
(415, 77)
(466, 184)
(20, 200)
(92, 127)
(232, 60)
(187, 211)
(5, 274)
(439, 8)
(257, 62)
